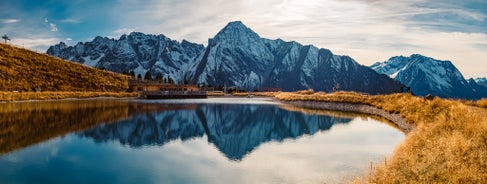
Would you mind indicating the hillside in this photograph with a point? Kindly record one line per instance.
(22, 70)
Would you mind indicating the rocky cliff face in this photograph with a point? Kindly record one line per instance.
(235, 57)
(136, 52)
(430, 76)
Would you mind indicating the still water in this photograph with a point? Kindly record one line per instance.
(216, 140)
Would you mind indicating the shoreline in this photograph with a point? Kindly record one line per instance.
(70, 99)
(351, 107)
(16, 97)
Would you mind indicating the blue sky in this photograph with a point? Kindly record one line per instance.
(367, 30)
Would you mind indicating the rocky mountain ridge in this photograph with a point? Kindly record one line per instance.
(236, 57)
(426, 75)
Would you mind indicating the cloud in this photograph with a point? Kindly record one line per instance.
(9, 21)
(70, 20)
(35, 44)
(53, 27)
(122, 31)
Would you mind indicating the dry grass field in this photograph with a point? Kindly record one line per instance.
(448, 144)
(23, 71)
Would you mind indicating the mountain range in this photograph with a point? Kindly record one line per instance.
(425, 75)
(481, 81)
(235, 57)
(238, 57)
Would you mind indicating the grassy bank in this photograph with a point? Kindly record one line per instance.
(23, 70)
(265, 94)
(22, 96)
(448, 145)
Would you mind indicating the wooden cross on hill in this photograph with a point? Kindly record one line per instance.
(6, 38)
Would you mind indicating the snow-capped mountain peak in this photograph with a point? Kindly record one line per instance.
(136, 52)
(236, 57)
(426, 75)
(236, 31)
(480, 79)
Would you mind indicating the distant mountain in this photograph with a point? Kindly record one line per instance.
(426, 75)
(235, 129)
(481, 81)
(235, 57)
(24, 70)
(136, 52)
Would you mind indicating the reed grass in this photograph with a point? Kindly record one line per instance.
(448, 144)
(23, 70)
(22, 96)
(264, 94)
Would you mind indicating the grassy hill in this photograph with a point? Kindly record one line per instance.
(22, 70)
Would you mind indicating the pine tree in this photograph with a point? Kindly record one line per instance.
(148, 76)
(159, 77)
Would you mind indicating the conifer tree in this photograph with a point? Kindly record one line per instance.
(148, 76)
(159, 77)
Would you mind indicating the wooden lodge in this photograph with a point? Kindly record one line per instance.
(158, 90)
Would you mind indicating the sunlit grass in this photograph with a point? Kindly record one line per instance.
(23, 70)
(22, 96)
(264, 94)
(448, 144)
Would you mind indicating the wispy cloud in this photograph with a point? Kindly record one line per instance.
(70, 20)
(53, 27)
(36, 44)
(122, 31)
(9, 21)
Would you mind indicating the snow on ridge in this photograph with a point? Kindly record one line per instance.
(92, 63)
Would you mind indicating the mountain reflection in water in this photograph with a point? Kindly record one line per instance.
(235, 129)
(214, 140)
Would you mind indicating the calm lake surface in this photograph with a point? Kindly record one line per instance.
(215, 140)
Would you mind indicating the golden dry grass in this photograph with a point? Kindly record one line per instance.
(22, 96)
(448, 145)
(481, 103)
(265, 94)
(22, 70)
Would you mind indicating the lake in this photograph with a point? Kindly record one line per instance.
(215, 140)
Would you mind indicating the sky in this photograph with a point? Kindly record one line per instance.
(367, 30)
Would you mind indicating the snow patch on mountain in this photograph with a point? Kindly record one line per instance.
(426, 75)
(235, 57)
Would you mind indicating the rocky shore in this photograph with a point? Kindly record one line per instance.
(350, 107)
